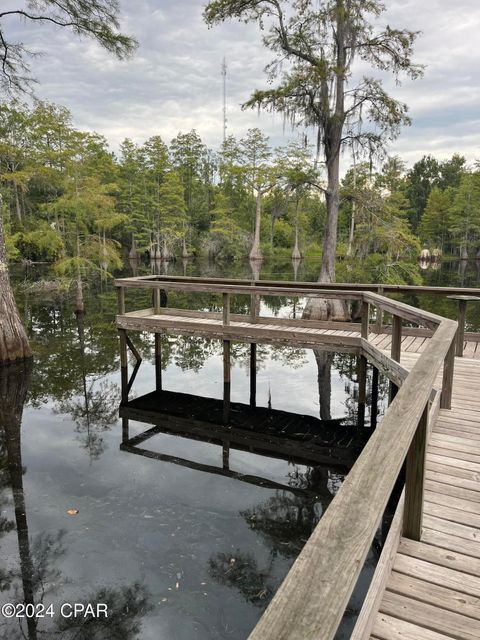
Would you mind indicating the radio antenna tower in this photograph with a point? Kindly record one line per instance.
(224, 75)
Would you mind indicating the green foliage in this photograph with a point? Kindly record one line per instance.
(13, 253)
(283, 234)
(66, 197)
(433, 229)
(172, 210)
(43, 244)
(374, 268)
(464, 224)
(226, 235)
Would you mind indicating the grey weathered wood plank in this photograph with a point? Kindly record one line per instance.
(430, 617)
(391, 628)
(460, 431)
(453, 462)
(470, 506)
(451, 542)
(369, 610)
(454, 515)
(435, 594)
(441, 450)
(417, 557)
(451, 527)
(437, 575)
(457, 443)
(453, 490)
(450, 470)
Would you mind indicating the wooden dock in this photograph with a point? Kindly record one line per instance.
(430, 589)
(427, 582)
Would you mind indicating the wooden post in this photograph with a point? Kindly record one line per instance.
(447, 383)
(462, 316)
(362, 390)
(156, 301)
(253, 375)
(254, 307)
(226, 455)
(379, 319)
(396, 338)
(226, 380)
(158, 361)
(123, 363)
(124, 430)
(365, 320)
(374, 401)
(396, 349)
(414, 482)
(226, 308)
(121, 300)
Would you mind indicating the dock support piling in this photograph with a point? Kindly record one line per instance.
(254, 307)
(253, 375)
(226, 455)
(156, 301)
(365, 320)
(226, 380)
(158, 361)
(125, 433)
(362, 390)
(226, 309)
(374, 401)
(121, 300)
(123, 364)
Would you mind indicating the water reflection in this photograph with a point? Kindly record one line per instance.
(319, 454)
(94, 410)
(297, 439)
(33, 577)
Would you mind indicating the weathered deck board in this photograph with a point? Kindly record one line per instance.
(388, 628)
(281, 329)
(433, 592)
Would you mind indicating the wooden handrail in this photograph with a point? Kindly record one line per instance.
(335, 286)
(273, 288)
(312, 599)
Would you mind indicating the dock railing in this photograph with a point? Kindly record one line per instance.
(312, 600)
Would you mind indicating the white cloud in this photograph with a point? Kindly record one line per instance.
(174, 82)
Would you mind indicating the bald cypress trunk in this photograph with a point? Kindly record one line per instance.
(14, 343)
(14, 382)
(318, 308)
(256, 252)
(324, 308)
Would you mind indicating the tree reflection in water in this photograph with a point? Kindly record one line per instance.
(35, 578)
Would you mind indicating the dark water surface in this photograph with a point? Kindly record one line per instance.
(188, 539)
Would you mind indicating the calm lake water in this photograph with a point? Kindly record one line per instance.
(179, 541)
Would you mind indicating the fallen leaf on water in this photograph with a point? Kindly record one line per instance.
(72, 512)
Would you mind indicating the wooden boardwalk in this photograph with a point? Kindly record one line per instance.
(274, 330)
(417, 344)
(427, 582)
(433, 590)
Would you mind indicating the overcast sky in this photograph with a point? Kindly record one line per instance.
(174, 83)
